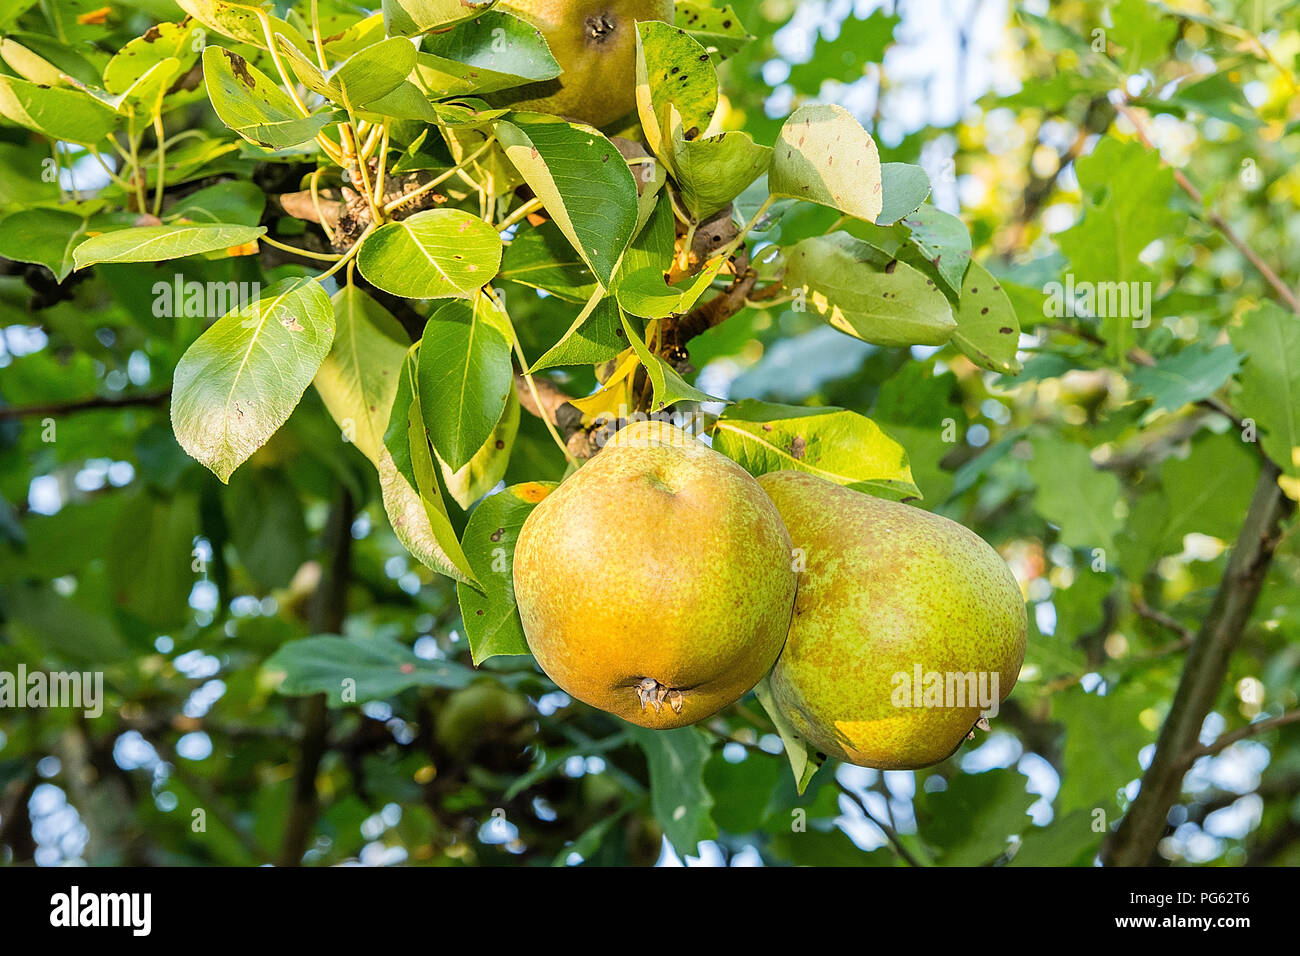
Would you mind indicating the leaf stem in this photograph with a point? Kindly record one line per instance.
(323, 256)
(439, 179)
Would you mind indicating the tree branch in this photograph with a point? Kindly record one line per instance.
(56, 409)
(1207, 665)
(1222, 743)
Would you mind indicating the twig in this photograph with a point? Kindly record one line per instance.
(1222, 743)
(890, 833)
(84, 404)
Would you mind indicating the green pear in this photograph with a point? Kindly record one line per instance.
(906, 628)
(594, 41)
(655, 582)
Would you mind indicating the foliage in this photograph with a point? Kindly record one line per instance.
(301, 319)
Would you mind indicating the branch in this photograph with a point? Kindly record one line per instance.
(1250, 730)
(85, 404)
(1207, 666)
(329, 607)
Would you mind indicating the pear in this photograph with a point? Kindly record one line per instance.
(906, 628)
(594, 41)
(655, 582)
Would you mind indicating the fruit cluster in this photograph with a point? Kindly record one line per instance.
(661, 582)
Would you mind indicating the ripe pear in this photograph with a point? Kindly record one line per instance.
(892, 599)
(655, 582)
(594, 41)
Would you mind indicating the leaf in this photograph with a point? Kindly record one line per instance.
(1270, 386)
(492, 51)
(583, 181)
(358, 379)
(717, 29)
(904, 188)
(253, 105)
(63, 114)
(595, 336)
(1145, 33)
(161, 42)
(832, 443)
(267, 528)
(673, 72)
(1073, 494)
(844, 59)
(491, 618)
(824, 156)
(465, 378)
(157, 243)
(234, 202)
(644, 292)
(410, 17)
(943, 240)
(678, 797)
(354, 670)
(362, 79)
(149, 558)
(803, 762)
(44, 236)
(541, 257)
(412, 496)
(669, 387)
(970, 822)
(1212, 487)
(1185, 377)
(238, 383)
(712, 172)
(245, 23)
(864, 293)
(435, 254)
(488, 466)
(1094, 775)
(988, 332)
(1066, 841)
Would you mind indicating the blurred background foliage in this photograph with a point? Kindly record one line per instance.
(1106, 472)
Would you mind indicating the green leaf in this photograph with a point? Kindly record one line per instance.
(669, 387)
(239, 382)
(1072, 840)
(410, 17)
(44, 236)
(803, 762)
(354, 670)
(831, 443)
(844, 59)
(409, 483)
(1093, 774)
(904, 187)
(1073, 494)
(595, 336)
(492, 51)
(1270, 386)
(717, 29)
(253, 105)
(943, 241)
(358, 379)
(823, 155)
(465, 378)
(267, 526)
(491, 618)
(242, 22)
(673, 72)
(1143, 31)
(1211, 487)
(488, 466)
(862, 292)
(541, 257)
(678, 797)
(1188, 376)
(360, 80)
(644, 292)
(714, 171)
(970, 822)
(70, 115)
(150, 568)
(988, 332)
(157, 243)
(234, 202)
(435, 254)
(585, 184)
(164, 41)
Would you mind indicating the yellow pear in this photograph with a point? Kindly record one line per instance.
(906, 628)
(594, 41)
(656, 581)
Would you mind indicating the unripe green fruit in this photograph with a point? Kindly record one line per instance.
(890, 593)
(594, 41)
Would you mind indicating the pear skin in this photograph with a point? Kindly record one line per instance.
(889, 592)
(655, 582)
(594, 41)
